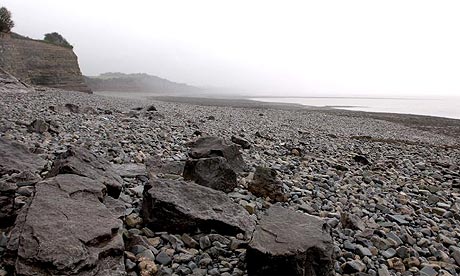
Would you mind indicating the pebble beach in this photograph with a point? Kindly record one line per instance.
(387, 186)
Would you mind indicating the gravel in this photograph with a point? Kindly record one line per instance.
(397, 212)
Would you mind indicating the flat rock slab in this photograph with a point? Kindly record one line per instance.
(290, 243)
(67, 230)
(81, 162)
(157, 167)
(130, 169)
(16, 158)
(212, 172)
(206, 147)
(179, 207)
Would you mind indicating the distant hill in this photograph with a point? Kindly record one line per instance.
(121, 82)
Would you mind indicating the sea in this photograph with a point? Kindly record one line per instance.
(439, 107)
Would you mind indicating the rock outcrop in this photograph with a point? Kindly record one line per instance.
(81, 162)
(289, 243)
(185, 207)
(39, 63)
(66, 230)
(17, 167)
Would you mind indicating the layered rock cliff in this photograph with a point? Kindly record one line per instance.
(40, 63)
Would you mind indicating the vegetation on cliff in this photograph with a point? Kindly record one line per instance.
(57, 39)
(6, 23)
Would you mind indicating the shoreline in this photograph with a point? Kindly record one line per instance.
(440, 125)
(434, 124)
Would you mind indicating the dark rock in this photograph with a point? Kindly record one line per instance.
(163, 258)
(212, 172)
(66, 230)
(352, 221)
(245, 144)
(266, 184)
(17, 166)
(206, 147)
(72, 107)
(361, 159)
(81, 162)
(7, 210)
(205, 242)
(179, 206)
(16, 158)
(38, 126)
(130, 169)
(151, 108)
(156, 166)
(290, 243)
(353, 266)
(428, 271)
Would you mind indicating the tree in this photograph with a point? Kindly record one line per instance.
(57, 39)
(6, 23)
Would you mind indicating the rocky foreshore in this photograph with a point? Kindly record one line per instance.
(94, 185)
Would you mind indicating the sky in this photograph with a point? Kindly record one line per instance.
(285, 48)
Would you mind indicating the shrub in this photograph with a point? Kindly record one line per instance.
(6, 23)
(57, 39)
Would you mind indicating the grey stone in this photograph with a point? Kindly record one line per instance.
(266, 184)
(39, 126)
(130, 169)
(353, 266)
(81, 162)
(289, 243)
(428, 271)
(389, 253)
(184, 207)
(212, 172)
(163, 258)
(245, 144)
(352, 221)
(206, 147)
(67, 230)
(205, 242)
(17, 164)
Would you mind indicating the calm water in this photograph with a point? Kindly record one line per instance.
(445, 107)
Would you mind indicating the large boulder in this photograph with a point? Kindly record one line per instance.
(17, 166)
(290, 243)
(266, 184)
(180, 206)
(80, 161)
(206, 147)
(212, 172)
(66, 230)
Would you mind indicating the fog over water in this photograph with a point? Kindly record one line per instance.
(279, 48)
(448, 107)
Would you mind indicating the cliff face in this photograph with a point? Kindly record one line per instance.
(40, 63)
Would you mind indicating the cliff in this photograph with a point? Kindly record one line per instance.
(40, 63)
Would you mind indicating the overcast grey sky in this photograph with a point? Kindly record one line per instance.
(345, 48)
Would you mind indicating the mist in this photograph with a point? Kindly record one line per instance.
(271, 48)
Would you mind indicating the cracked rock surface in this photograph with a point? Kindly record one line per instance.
(67, 230)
